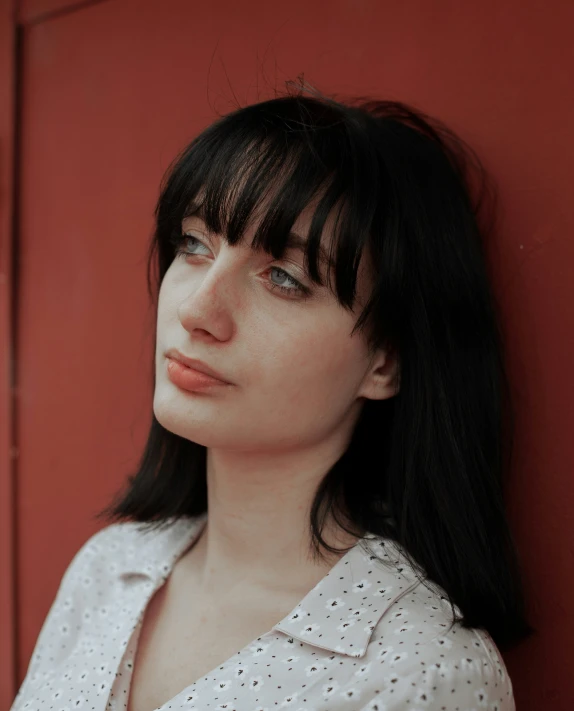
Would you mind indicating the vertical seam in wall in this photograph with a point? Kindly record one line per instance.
(13, 338)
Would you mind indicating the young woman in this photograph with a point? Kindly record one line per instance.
(317, 522)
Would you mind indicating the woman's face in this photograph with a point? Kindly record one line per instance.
(298, 376)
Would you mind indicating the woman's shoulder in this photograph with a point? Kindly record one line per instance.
(95, 579)
(99, 560)
(419, 648)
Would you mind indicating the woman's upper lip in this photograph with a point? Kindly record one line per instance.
(195, 364)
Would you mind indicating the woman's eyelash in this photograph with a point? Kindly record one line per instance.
(180, 240)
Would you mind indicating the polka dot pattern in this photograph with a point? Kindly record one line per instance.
(371, 635)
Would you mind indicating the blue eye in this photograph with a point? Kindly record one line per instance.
(184, 239)
(298, 289)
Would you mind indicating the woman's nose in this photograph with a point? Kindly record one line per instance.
(212, 298)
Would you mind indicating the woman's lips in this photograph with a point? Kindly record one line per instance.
(188, 378)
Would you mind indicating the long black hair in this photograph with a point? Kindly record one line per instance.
(425, 467)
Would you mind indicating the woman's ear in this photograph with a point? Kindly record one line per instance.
(382, 381)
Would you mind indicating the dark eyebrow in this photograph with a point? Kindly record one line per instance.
(294, 241)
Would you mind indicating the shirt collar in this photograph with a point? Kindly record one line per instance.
(342, 610)
(339, 614)
(153, 552)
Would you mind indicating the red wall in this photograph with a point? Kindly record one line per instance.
(7, 460)
(110, 91)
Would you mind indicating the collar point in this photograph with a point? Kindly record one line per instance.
(351, 651)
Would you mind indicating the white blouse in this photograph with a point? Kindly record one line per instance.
(367, 636)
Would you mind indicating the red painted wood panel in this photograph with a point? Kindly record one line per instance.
(32, 11)
(113, 90)
(7, 454)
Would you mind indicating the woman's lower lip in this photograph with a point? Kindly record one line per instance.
(188, 378)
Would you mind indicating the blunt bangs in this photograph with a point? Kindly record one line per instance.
(271, 161)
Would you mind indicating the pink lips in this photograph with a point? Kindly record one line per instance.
(190, 379)
(195, 364)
